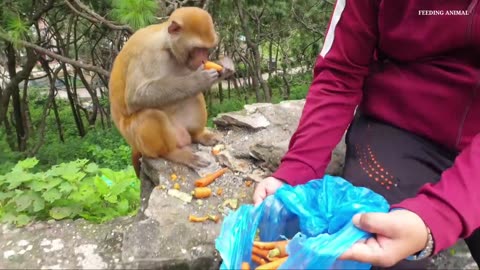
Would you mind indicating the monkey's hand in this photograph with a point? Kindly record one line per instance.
(205, 78)
(228, 68)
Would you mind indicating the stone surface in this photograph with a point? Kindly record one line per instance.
(161, 236)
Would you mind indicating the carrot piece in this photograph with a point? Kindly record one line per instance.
(260, 252)
(258, 260)
(248, 183)
(280, 250)
(209, 178)
(245, 266)
(212, 65)
(267, 245)
(219, 191)
(202, 192)
(193, 218)
(214, 218)
(272, 265)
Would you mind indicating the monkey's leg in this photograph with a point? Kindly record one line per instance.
(195, 108)
(205, 137)
(156, 137)
(186, 157)
(136, 161)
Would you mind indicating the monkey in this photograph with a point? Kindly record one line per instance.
(156, 88)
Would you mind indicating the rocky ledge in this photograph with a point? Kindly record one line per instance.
(161, 235)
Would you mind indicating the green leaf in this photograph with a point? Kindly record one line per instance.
(112, 198)
(67, 171)
(101, 186)
(38, 204)
(61, 212)
(91, 168)
(52, 195)
(122, 207)
(17, 177)
(23, 201)
(51, 183)
(38, 185)
(6, 195)
(23, 220)
(66, 187)
(27, 163)
(85, 194)
(8, 218)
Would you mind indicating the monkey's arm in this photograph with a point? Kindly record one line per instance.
(164, 91)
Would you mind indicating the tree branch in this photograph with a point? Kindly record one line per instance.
(56, 56)
(96, 18)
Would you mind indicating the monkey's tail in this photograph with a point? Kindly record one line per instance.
(136, 155)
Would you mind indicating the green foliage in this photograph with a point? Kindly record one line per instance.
(16, 26)
(7, 157)
(104, 147)
(136, 13)
(76, 189)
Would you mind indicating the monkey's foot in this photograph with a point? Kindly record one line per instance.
(187, 157)
(207, 138)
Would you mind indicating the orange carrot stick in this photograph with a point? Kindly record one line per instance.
(209, 178)
(245, 266)
(267, 245)
(202, 192)
(272, 265)
(212, 65)
(193, 218)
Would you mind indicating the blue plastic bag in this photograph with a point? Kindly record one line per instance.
(316, 217)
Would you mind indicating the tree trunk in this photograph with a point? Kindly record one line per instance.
(257, 78)
(76, 115)
(13, 90)
(53, 78)
(270, 58)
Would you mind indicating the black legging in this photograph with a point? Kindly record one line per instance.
(396, 164)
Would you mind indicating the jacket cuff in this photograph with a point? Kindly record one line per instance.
(294, 173)
(438, 218)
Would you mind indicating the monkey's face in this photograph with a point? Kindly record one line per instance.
(196, 57)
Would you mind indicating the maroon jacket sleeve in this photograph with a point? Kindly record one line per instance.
(335, 91)
(451, 208)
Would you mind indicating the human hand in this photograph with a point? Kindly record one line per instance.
(399, 234)
(265, 188)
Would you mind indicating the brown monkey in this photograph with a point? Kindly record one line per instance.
(156, 88)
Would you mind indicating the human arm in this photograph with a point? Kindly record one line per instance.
(335, 91)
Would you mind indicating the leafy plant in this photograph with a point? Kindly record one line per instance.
(136, 13)
(77, 189)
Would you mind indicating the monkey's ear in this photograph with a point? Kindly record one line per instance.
(174, 28)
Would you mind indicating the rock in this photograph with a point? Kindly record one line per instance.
(226, 159)
(64, 244)
(257, 175)
(254, 121)
(270, 152)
